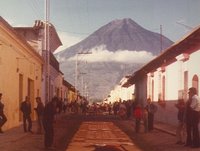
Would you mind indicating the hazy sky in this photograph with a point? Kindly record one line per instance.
(77, 19)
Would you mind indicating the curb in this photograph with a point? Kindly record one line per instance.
(165, 131)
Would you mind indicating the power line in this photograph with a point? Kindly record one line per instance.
(33, 8)
(186, 26)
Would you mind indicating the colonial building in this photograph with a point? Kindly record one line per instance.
(71, 91)
(120, 92)
(21, 73)
(56, 78)
(168, 77)
(35, 36)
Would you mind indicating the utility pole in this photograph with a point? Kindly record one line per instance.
(76, 71)
(82, 83)
(161, 39)
(47, 51)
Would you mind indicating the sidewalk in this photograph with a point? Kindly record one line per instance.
(15, 139)
(170, 129)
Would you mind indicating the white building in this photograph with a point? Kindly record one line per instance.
(168, 77)
(120, 92)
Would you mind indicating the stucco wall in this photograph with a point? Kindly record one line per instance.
(17, 59)
(167, 114)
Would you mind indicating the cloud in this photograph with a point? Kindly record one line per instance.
(67, 41)
(100, 54)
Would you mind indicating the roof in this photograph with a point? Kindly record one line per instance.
(187, 44)
(68, 85)
(20, 39)
(54, 40)
(53, 62)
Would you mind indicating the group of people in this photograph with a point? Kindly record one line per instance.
(45, 117)
(188, 116)
(146, 114)
(125, 109)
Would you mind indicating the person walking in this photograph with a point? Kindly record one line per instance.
(48, 121)
(180, 131)
(39, 110)
(26, 110)
(192, 119)
(3, 118)
(151, 109)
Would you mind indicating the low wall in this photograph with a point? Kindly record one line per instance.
(167, 113)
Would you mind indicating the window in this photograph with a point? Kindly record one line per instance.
(195, 82)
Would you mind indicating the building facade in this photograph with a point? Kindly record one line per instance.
(167, 78)
(21, 73)
(35, 36)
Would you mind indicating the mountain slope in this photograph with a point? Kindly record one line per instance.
(122, 34)
(121, 40)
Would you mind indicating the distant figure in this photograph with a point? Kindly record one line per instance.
(181, 123)
(138, 117)
(192, 119)
(59, 105)
(48, 120)
(109, 108)
(40, 111)
(65, 105)
(122, 110)
(145, 119)
(3, 118)
(26, 110)
(151, 109)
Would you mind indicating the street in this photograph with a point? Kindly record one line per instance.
(91, 133)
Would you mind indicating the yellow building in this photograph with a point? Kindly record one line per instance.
(21, 73)
(35, 36)
(70, 93)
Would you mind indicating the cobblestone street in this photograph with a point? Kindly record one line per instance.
(78, 132)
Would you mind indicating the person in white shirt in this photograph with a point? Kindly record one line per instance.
(192, 119)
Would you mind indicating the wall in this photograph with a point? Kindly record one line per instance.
(17, 58)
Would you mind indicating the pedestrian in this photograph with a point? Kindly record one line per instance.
(115, 108)
(122, 110)
(3, 118)
(128, 107)
(48, 121)
(181, 122)
(65, 105)
(192, 118)
(138, 116)
(109, 108)
(40, 111)
(145, 119)
(151, 109)
(26, 110)
(60, 105)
